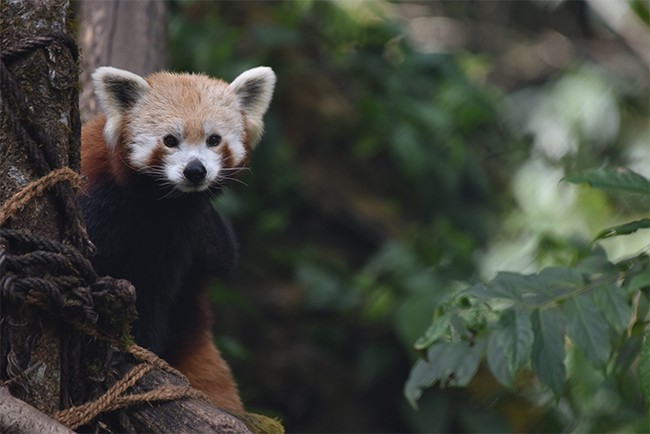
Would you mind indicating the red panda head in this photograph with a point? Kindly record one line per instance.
(187, 131)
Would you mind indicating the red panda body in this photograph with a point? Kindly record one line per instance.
(166, 145)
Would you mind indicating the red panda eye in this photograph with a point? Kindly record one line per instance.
(170, 141)
(213, 140)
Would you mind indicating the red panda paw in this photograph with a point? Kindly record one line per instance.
(201, 362)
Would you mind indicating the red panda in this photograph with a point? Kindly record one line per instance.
(165, 145)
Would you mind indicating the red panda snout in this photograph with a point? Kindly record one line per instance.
(192, 168)
(195, 171)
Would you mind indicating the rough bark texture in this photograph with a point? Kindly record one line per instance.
(130, 35)
(47, 78)
(184, 415)
(18, 417)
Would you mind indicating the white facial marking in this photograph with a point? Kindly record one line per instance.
(142, 148)
(231, 133)
(177, 160)
(237, 150)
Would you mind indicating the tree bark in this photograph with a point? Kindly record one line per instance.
(19, 417)
(184, 415)
(130, 35)
(46, 77)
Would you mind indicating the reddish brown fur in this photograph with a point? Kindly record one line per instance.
(226, 155)
(202, 364)
(156, 157)
(97, 161)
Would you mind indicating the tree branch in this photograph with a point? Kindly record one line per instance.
(18, 417)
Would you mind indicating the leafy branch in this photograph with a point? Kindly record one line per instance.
(518, 321)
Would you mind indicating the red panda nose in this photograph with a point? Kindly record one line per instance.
(195, 171)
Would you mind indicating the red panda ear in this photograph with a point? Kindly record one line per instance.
(117, 91)
(254, 89)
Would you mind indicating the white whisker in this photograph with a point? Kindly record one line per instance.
(231, 179)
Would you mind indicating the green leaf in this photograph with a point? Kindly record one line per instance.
(449, 363)
(424, 374)
(458, 328)
(513, 286)
(638, 282)
(596, 263)
(457, 362)
(560, 281)
(628, 353)
(485, 292)
(417, 382)
(515, 336)
(498, 362)
(587, 328)
(548, 352)
(434, 332)
(612, 178)
(624, 229)
(529, 289)
(643, 369)
(636, 273)
(467, 364)
(614, 305)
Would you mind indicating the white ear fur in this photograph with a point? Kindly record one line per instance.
(117, 90)
(254, 89)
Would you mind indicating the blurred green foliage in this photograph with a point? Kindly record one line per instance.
(388, 179)
(518, 320)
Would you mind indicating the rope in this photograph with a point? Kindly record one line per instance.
(41, 151)
(36, 188)
(113, 398)
(147, 356)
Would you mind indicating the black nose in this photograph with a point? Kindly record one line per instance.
(195, 171)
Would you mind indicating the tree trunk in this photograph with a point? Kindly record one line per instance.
(130, 35)
(46, 76)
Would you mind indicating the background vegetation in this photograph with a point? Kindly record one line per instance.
(413, 150)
